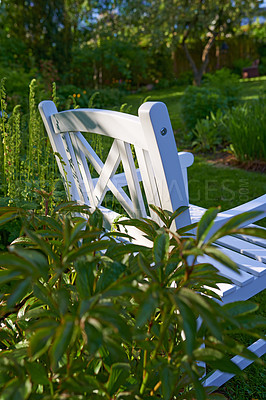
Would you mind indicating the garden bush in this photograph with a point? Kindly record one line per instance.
(219, 91)
(86, 316)
(246, 127)
(198, 102)
(209, 133)
(227, 82)
(17, 87)
(239, 64)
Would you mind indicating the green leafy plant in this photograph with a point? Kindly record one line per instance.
(227, 82)
(246, 127)
(198, 102)
(28, 161)
(209, 133)
(86, 315)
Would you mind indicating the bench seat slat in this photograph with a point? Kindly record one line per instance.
(240, 279)
(252, 239)
(244, 247)
(245, 263)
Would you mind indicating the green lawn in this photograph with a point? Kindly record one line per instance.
(211, 185)
(251, 89)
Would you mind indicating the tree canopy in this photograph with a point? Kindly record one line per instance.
(117, 32)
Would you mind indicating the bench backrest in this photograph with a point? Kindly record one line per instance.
(143, 145)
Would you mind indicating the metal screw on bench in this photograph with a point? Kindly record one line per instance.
(163, 131)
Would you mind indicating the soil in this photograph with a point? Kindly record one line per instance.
(227, 159)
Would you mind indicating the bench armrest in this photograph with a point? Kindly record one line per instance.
(186, 160)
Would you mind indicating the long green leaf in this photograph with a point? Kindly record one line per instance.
(63, 336)
(147, 307)
(40, 342)
(43, 245)
(161, 248)
(258, 232)
(168, 379)
(175, 214)
(7, 217)
(218, 255)
(233, 224)
(205, 224)
(119, 374)
(189, 325)
(19, 292)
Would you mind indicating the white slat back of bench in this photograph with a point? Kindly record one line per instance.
(154, 146)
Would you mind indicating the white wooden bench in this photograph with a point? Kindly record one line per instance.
(146, 148)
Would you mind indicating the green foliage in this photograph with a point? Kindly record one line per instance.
(185, 78)
(85, 315)
(219, 91)
(209, 133)
(198, 102)
(17, 87)
(246, 125)
(226, 82)
(27, 162)
(239, 64)
(71, 95)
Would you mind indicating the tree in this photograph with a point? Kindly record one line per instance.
(47, 28)
(174, 22)
(209, 19)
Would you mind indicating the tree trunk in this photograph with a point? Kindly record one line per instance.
(198, 72)
(175, 68)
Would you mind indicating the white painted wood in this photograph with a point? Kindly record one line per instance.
(47, 109)
(114, 124)
(245, 263)
(218, 378)
(224, 289)
(166, 166)
(244, 247)
(132, 178)
(252, 239)
(240, 278)
(186, 160)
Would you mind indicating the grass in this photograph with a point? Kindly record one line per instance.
(252, 89)
(211, 185)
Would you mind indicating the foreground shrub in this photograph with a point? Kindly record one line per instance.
(246, 127)
(86, 316)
